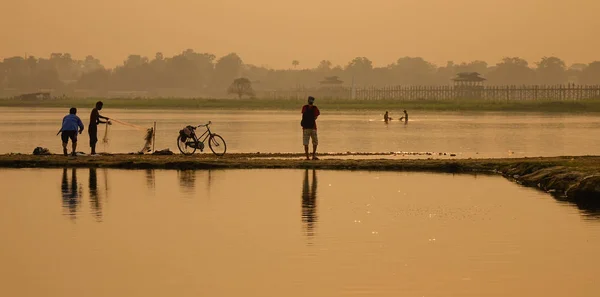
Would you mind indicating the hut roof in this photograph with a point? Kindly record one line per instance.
(331, 80)
(468, 76)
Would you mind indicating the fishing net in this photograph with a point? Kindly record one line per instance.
(148, 137)
(105, 139)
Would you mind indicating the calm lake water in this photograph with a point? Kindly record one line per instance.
(466, 134)
(106, 232)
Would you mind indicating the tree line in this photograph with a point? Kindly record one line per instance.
(204, 74)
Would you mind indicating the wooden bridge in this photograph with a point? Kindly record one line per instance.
(492, 93)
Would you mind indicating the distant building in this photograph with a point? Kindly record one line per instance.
(332, 87)
(331, 81)
(469, 79)
(468, 85)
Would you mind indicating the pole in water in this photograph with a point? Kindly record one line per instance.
(153, 137)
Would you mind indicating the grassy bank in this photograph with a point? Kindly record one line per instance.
(587, 105)
(571, 178)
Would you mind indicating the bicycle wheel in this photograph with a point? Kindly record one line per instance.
(217, 145)
(186, 147)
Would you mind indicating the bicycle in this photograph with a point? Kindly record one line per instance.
(188, 142)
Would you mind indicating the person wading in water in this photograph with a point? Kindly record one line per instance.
(405, 117)
(93, 127)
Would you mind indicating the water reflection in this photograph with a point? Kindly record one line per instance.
(589, 210)
(588, 207)
(309, 203)
(187, 179)
(150, 178)
(70, 193)
(95, 198)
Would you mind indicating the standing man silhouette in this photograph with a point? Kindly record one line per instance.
(93, 127)
(310, 113)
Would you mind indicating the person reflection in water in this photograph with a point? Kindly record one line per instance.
(70, 193)
(309, 203)
(95, 199)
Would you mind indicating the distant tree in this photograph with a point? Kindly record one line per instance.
(360, 65)
(295, 63)
(578, 67)
(2, 75)
(511, 71)
(98, 79)
(133, 75)
(324, 66)
(591, 74)
(134, 61)
(575, 71)
(551, 70)
(189, 70)
(360, 69)
(68, 69)
(17, 73)
(413, 71)
(227, 68)
(445, 73)
(91, 64)
(45, 79)
(241, 86)
(480, 67)
(158, 68)
(255, 73)
(382, 76)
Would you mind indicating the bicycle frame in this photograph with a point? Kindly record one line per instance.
(194, 140)
(203, 136)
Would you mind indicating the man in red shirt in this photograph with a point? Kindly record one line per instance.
(310, 113)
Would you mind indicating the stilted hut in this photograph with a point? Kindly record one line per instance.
(331, 81)
(468, 85)
(332, 87)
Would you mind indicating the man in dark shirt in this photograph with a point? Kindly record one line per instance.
(310, 113)
(70, 125)
(93, 128)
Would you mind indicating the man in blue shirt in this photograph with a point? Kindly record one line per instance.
(70, 124)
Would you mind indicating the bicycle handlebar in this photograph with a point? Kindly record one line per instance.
(205, 125)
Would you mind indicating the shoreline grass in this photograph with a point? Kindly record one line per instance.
(579, 106)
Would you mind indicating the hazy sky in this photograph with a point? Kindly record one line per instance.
(274, 32)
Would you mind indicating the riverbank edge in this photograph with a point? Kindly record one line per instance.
(575, 179)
